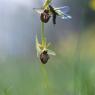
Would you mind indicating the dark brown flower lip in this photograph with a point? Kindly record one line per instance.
(44, 57)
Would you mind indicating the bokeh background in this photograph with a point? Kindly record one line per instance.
(70, 72)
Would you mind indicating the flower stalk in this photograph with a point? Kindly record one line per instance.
(43, 39)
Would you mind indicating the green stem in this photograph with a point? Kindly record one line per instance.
(46, 80)
(44, 71)
(42, 34)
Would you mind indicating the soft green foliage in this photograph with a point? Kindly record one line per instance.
(27, 78)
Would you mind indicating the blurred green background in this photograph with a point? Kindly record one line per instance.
(70, 72)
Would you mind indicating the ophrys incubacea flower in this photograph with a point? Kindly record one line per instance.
(47, 11)
(43, 52)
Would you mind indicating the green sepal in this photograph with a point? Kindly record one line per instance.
(46, 3)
